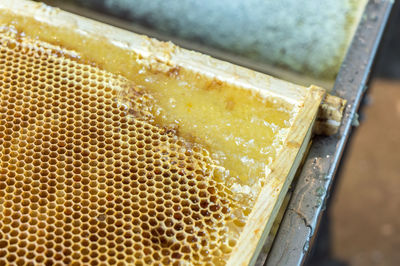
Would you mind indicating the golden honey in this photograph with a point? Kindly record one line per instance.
(98, 169)
(240, 129)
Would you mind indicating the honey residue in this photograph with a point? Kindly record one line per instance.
(242, 130)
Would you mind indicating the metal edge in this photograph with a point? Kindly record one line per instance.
(301, 220)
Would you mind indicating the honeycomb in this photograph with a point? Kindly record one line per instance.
(86, 177)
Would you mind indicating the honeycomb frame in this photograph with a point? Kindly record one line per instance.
(125, 53)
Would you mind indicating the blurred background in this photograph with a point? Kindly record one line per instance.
(362, 223)
(304, 42)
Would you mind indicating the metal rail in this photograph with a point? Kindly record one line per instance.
(300, 223)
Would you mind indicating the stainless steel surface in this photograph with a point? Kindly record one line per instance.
(301, 220)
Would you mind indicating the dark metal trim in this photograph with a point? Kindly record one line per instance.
(301, 220)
